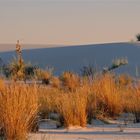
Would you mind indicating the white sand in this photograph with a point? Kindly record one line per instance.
(96, 132)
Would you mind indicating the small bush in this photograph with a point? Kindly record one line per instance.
(44, 75)
(138, 37)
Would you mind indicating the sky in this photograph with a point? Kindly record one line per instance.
(68, 22)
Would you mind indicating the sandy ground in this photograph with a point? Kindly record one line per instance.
(96, 132)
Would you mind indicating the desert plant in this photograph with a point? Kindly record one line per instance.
(18, 110)
(70, 81)
(55, 82)
(44, 75)
(1, 66)
(91, 106)
(15, 69)
(48, 100)
(72, 107)
(138, 37)
(124, 80)
(116, 63)
(30, 71)
(131, 99)
(107, 95)
(88, 71)
(2, 85)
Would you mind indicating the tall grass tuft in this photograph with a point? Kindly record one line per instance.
(131, 100)
(70, 81)
(72, 107)
(108, 97)
(18, 110)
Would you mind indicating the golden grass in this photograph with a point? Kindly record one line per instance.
(72, 107)
(131, 100)
(70, 81)
(125, 80)
(2, 85)
(108, 95)
(55, 82)
(74, 98)
(18, 110)
(104, 96)
(48, 100)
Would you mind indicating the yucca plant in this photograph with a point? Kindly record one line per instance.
(116, 63)
(17, 70)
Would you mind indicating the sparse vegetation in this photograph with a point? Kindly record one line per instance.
(17, 69)
(75, 99)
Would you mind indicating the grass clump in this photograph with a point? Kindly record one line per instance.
(70, 81)
(18, 110)
(72, 108)
(108, 97)
(131, 100)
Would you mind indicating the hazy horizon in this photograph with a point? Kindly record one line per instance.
(6, 47)
(68, 22)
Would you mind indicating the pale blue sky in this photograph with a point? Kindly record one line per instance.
(68, 21)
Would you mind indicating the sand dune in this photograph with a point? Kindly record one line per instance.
(75, 57)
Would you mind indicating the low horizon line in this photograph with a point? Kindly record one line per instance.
(59, 46)
(78, 44)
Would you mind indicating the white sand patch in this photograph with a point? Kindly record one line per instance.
(96, 132)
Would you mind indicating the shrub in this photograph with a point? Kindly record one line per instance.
(44, 75)
(138, 37)
(18, 69)
(89, 71)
